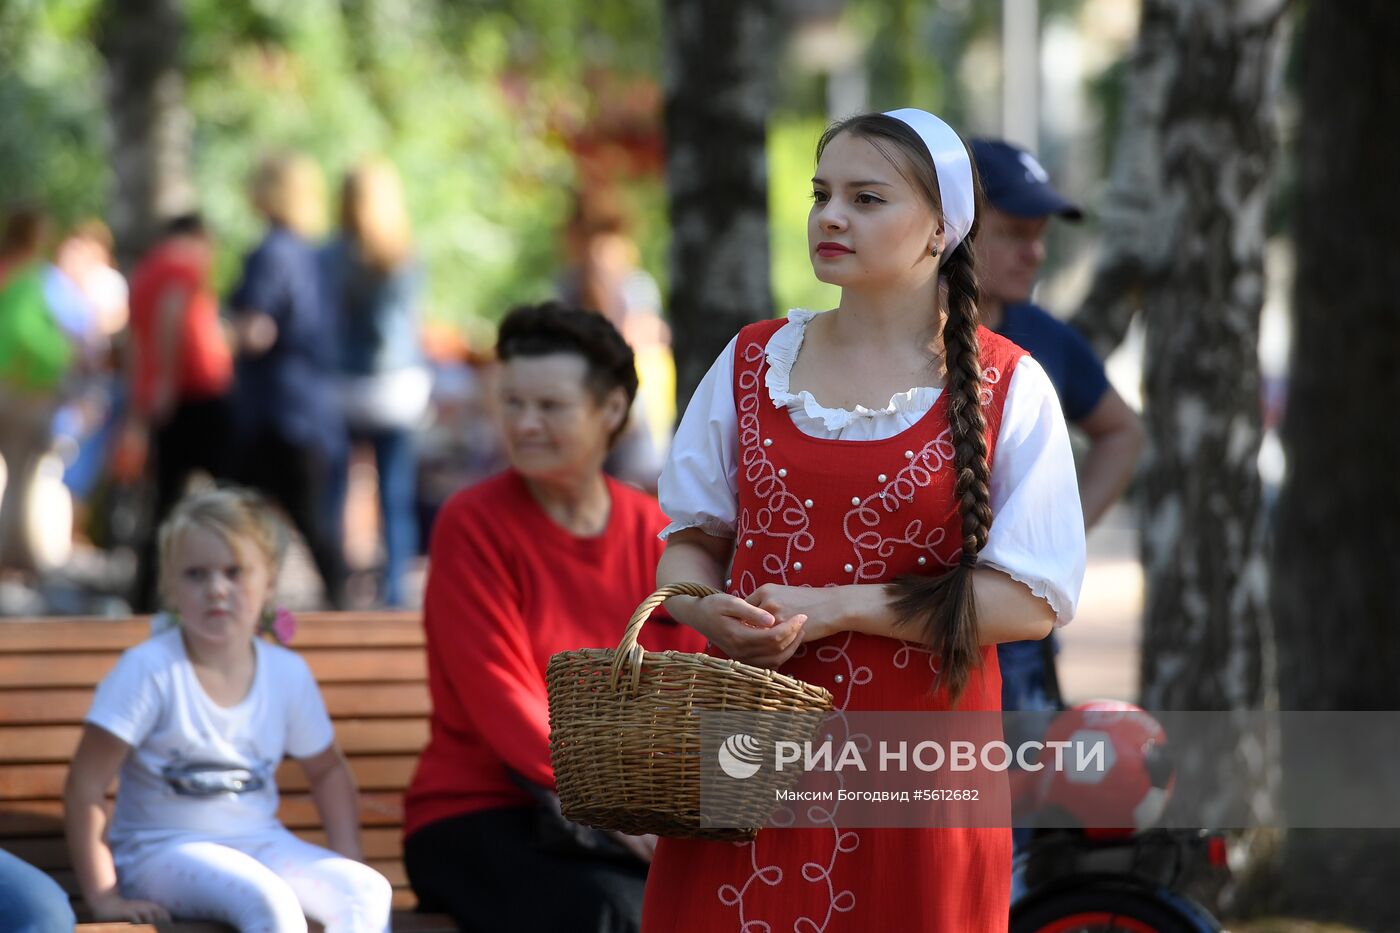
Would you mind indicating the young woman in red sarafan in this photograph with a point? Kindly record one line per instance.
(892, 491)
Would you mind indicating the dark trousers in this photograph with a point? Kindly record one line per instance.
(490, 873)
(195, 438)
(297, 477)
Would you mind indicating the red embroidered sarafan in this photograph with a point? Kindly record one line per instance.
(818, 512)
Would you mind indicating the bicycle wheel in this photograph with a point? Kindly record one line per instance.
(1103, 910)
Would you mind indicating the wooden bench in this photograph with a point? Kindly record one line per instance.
(373, 676)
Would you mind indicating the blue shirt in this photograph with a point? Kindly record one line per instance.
(287, 390)
(1080, 382)
(1066, 357)
(375, 314)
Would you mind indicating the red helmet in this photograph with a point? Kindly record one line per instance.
(1124, 787)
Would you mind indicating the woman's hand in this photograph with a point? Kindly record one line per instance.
(115, 907)
(824, 608)
(742, 631)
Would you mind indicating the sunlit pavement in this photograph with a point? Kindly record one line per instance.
(1099, 649)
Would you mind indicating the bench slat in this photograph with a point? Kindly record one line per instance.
(42, 705)
(329, 665)
(51, 669)
(32, 781)
(38, 705)
(38, 744)
(374, 699)
(372, 772)
(314, 629)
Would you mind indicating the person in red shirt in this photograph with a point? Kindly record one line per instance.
(179, 372)
(548, 556)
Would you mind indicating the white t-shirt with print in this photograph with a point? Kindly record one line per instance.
(197, 769)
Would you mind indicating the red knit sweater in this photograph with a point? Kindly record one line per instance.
(507, 588)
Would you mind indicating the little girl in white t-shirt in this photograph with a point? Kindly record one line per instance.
(197, 719)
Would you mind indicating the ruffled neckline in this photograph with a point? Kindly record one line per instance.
(781, 353)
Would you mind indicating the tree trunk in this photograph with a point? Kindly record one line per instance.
(1184, 246)
(1337, 547)
(140, 42)
(719, 56)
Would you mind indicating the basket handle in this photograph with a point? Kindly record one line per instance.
(628, 651)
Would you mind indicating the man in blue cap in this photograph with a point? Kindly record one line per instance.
(1010, 251)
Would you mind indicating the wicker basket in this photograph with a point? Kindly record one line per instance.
(625, 733)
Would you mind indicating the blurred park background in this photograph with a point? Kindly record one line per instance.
(1237, 268)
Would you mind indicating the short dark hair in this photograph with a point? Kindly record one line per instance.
(187, 224)
(553, 327)
(24, 230)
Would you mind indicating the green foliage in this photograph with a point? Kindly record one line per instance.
(792, 146)
(470, 98)
(486, 182)
(912, 49)
(50, 135)
(467, 98)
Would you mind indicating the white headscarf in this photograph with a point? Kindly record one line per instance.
(954, 170)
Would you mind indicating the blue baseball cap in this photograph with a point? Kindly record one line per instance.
(1015, 183)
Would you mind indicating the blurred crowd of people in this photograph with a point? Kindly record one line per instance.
(117, 392)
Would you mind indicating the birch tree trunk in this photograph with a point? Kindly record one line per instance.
(718, 62)
(1184, 247)
(151, 129)
(1337, 547)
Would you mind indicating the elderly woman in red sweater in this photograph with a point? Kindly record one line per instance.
(548, 556)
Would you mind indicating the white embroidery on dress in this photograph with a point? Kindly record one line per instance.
(990, 377)
(793, 529)
(872, 550)
(780, 514)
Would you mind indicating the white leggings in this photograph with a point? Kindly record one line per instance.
(262, 884)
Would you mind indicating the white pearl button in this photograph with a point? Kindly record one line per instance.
(909, 455)
(807, 502)
(797, 565)
(849, 568)
(729, 582)
(855, 500)
(782, 472)
(922, 561)
(768, 442)
(840, 678)
(881, 478)
(748, 543)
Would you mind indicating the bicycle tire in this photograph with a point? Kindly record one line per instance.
(1102, 910)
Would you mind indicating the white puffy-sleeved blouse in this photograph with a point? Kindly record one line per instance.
(1037, 533)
